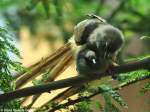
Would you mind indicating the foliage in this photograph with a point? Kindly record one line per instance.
(98, 106)
(113, 100)
(146, 88)
(8, 65)
(128, 77)
(83, 106)
(111, 96)
(108, 91)
(109, 106)
(44, 78)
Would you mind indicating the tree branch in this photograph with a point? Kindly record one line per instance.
(74, 81)
(64, 62)
(47, 62)
(72, 102)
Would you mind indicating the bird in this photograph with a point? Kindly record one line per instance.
(97, 45)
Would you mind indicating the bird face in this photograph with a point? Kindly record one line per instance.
(88, 62)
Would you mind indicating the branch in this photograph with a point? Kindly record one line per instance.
(64, 62)
(65, 94)
(48, 62)
(60, 97)
(72, 102)
(74, 81)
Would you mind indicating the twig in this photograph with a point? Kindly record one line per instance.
(72, 102)
(36, 64)
(55, 99)
(73, 81)
(63, 64)
(60, 97)
(65, 94)
(42, 65)
(22, 73)
(57, 70)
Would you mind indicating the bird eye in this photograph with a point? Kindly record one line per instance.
(94, 61)
(91, 61)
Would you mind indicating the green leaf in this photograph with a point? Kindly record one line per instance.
(131, 76)
(107, 90)
(98, 105)
(44, 78)
(83, 106)
(109, 106)
(146, 88)
(7, 65)
(117, 97)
